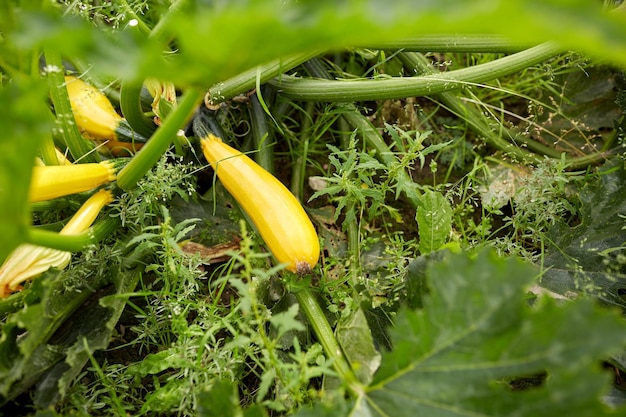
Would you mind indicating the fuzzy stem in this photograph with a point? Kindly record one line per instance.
(325, 336)
(72, 243)
(263, 142)
(79, 148)
(246, 81)
(299, 168)
(402, 87)
(452, 43)
(130, 103)
(145, 159)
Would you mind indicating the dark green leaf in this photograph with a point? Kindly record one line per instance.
(588, 257)
(476, 332)
(355, 338)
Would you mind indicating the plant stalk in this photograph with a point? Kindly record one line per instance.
(79, 148)
(247, 80)
(145, 159)
(402, 87)
(325, 336)
(72, 243)
(452, 43)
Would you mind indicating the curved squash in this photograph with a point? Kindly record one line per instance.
(275, 211)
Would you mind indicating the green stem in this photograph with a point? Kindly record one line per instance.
(247, 80)
(452, 43)
(369, 133)
(325, 336)
(263, 142)
(47, 150)
(72, 243)
(299, 168)
(502, 138)
(402, 87)
(79, 148)
(130, 103)
(145, 159)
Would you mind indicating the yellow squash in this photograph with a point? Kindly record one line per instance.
(275, 211)
(54, 181)
(96, 118)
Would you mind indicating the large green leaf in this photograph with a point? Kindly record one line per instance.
(216, 42)
(48, 342)
(477, 335)
(588, 257)
(24, 120)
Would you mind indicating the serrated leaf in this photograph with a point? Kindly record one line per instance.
(586, 257)
(57, 333)
(355, 338)
(476, 332)
(434, 220)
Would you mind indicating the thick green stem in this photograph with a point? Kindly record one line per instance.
(79, 148)
(299, 167)
(452, 43)
(47, 150)
(145, 159)
(72, 243)
(502, 138)
(247, 80)
(325, 336)
(402, 87)
(263, 142)
(130, 102)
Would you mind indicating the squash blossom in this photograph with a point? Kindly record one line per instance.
(96, 118)
(163, 96)
(29, 261)
(54, 181)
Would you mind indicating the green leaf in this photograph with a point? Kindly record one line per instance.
(58, 328)
(355, 338)
(588, 257)
(25, 121)
(476, 333)
(222, 400)
(434, 219)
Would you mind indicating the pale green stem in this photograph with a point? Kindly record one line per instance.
(72, 243)
(79, 148)
(402, 87)
(452, 43)
(247, 80)
(152, 151)
(325, 336)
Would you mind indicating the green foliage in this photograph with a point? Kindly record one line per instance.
(434, 218)
(588, 257)
(142, 325)
(476, 338)
(25, 121)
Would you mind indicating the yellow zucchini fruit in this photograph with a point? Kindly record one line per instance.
(94, 114)
(275, 211)
(96, 118)
(48, 182)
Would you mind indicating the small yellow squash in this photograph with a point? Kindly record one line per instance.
(275, 211)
